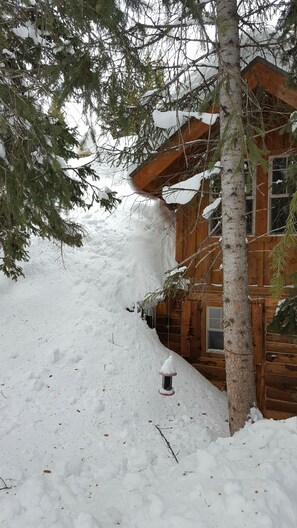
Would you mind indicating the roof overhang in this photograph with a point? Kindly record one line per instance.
(259, 73)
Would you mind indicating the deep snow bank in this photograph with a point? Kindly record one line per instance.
(79, 400)
(80, 377)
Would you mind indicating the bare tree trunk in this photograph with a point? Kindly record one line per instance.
(236, 307)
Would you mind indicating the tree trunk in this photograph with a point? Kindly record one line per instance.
(236, 307)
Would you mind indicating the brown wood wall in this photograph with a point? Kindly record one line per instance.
(192, 231)
(280, 371)
(180, 328)
(181, 324)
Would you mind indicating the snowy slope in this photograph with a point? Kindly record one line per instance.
(80, 373)
(79, 401)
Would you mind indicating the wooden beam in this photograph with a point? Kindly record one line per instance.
(272, 79)
(258, 73)
(176, 146)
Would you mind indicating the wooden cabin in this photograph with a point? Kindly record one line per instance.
(191, 324)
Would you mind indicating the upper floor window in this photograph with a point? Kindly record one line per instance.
(215, 223)
(279, 194)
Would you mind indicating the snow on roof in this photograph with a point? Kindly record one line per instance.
(184, 191)
(261, 45)
(264, 44)
(176, 118)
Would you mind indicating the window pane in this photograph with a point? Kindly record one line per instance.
(215, 321)
(279, 163)
(216, 313)
(248, 176)
(249, 215)
(279, 214)
(215, 324)
(279, 184)
(215, 340)
(215, 221)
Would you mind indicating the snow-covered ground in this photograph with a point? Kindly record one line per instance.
(81, 415)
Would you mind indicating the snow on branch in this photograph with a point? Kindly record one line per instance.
(30, 31)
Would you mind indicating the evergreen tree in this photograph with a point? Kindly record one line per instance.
(288, 27)
(46, 59)
(204, 69)
(106, 54)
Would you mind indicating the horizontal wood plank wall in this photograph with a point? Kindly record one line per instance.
(280, 376)
(168, 324)
(208, 268)
(193, 230)
(181, 324)
(178, 325)
(181, 328)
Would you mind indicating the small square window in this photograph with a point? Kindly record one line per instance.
(214, 330)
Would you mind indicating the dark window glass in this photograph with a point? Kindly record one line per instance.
(215, 222)
(249, 216)
(279, 195)
(215, 334)
(279, 213)
(215, 340)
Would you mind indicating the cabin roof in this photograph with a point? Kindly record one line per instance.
(258, 73)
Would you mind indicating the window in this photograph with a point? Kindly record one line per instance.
(215, 224)
(249, 197)
(214, 330)
(280, 192)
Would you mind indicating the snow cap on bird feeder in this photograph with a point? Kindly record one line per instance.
(167, 371)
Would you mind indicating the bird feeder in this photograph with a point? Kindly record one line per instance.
(167, 372)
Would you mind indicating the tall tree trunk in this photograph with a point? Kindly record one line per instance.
(236, 307)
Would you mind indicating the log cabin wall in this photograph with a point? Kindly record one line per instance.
(182, 323)
(181, 326)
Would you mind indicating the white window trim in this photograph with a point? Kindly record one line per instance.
(270, 195)
(212, 350)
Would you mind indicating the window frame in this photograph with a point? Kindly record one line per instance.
(271, 196)
(208, 329)
(251, 197)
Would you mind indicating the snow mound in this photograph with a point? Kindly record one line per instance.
(80, 407)
(87, 441)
